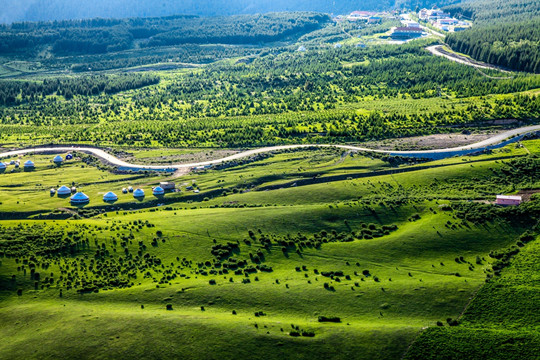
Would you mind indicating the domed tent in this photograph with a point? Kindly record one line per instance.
(29, 164)
(158, 190)
(58, 159)
(63, 190)
(2, 166)
(110, 196)
(80, 198)
(138, 193)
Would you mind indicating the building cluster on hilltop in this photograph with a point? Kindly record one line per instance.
(442, 20)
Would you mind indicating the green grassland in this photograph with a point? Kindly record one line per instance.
(252, 261)
(502, 321)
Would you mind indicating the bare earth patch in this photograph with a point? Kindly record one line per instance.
(196, 156)
(429, 142)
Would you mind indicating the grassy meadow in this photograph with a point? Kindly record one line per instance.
(361, 255)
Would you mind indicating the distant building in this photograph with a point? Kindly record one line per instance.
(167, 185)
(301, 49)
(406, 33)
(374, 19)
(448, 21)
(409, 23)
(338, 46)
(509, 200)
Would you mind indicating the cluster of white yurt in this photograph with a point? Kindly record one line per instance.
(79, 197)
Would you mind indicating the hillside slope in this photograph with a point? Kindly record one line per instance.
(507, 33)
(37, 10)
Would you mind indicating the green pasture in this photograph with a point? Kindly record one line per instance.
(423, 271)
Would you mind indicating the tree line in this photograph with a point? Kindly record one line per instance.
(99, 36)
(13, 92)
(512, 45)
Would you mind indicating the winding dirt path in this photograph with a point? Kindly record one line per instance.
(497, 140)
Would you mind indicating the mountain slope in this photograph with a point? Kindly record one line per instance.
(40, 10)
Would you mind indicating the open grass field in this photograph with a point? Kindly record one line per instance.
(248, 266)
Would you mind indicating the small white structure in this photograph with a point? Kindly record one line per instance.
(509, 200)
(58, 160)
(80, 198)
(73, 189)
(2, 166)
(110, 196)
(158, 190)
(63, 190)
(130, 189)
(196, 191)
(53, 191)
(166, 185)
(139, 193)
(29, 164)
(302, 49)
(124, 191)
(338, 46)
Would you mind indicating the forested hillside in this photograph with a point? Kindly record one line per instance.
(98, 36)
(513, 45)
(507, 33)
(485, 12)
(39, 10)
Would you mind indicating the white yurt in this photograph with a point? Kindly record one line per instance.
(29, 164)
(63, 190)
(80, 198)
(110, 196)
(130, 189)
(53, 191)
(138, 193)
(2, 166)
(158, 190)
(124, 191)
(58, 159)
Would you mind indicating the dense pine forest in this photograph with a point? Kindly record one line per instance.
(507, 33)
(98, 36)
(41, 10)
